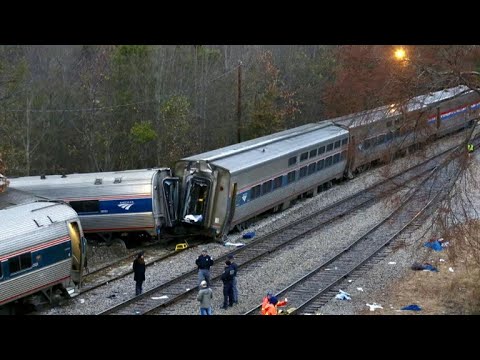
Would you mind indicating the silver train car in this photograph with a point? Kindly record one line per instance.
(126, 205)
(42, 248)
(378, 135)
(227, 187)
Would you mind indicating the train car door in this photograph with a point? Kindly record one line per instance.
(79, 251)
(197, 197)
(170, 194)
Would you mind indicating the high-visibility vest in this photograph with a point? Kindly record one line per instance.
(470, 147)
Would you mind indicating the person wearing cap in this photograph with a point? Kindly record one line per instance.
(139, 272)
(204, 261)
(270, 304)
(205, 295)
(227, 279)
(234, 282)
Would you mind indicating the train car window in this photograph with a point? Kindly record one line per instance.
(313, 153)
(337, 144)
(320, 164)
(344, 155)
(344, 141)
(330, 147)
(267, 187)
(328, 161)
(336, 158)
(20, 262)
(312, 168)
(255, 192)
(86, 206)
(292, 161)
(291, 176)
(277, 182)
(304, 156)
(303, 172)
(1, 273)
(321, 150)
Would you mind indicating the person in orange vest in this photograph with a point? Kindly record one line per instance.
(270, 304)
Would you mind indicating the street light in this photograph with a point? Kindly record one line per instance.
(400, 54)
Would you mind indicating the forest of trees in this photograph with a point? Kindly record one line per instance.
(77, 108)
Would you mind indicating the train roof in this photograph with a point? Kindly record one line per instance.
(257, 151)
(23, 219)
(393, 110)
(54, 181)
(12, 197)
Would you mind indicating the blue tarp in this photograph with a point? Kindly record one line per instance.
(435, 245)
(249, 235)
(412, 307)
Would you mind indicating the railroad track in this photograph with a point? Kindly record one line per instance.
(319, 286)
(122, 267)
(160, 298)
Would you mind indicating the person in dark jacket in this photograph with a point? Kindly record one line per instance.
(204, 261)
(227, 279)
(139, 272)
(234, 282)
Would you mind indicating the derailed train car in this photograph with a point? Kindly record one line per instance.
(383, 133)
(127, 205)
(42, 248)
(225, 188)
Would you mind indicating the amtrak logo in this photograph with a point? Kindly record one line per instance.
(244, 197)
(126, 205)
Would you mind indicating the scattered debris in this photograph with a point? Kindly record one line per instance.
(342, 295)
(412, 307)
(374, 306)
(436, 244)
(233, 244)
(159, 297)
(425, 267)
(249, 235)
(392, 263)
(359, 289)
(450, 269)
(193, 218)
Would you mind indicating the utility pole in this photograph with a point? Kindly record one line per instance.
(239, 103)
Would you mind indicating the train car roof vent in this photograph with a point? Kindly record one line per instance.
(117, 180)
(98, 182)
(43, 177)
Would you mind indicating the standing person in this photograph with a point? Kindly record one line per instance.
(204, 261)
(139, 272)
(205, 295)
(227, 279)
(234, 283)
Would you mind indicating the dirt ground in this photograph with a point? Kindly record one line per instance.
(437, 293)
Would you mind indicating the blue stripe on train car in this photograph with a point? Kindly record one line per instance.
(126, 206)
(40, 259)
(121, 207)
